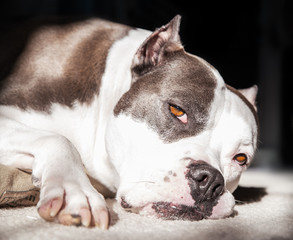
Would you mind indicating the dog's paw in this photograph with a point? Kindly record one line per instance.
(70, 204)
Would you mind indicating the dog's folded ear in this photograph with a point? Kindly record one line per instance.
(151, 52)
(250, 94)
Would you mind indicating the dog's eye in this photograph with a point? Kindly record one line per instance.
(241, 158)
(178, 112)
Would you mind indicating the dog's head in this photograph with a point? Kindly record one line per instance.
(180, 137)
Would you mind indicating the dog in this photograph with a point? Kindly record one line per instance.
(154, 124)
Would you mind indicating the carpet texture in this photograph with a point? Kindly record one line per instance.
(264, 211)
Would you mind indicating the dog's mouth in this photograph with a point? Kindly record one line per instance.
(172, 211)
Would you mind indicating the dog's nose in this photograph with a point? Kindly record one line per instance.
(206, 182)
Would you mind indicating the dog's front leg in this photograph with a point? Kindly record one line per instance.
(67, 195)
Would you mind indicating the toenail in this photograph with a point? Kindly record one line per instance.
(76, 220)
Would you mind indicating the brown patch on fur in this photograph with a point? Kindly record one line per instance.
(181, 80)
(86, 67)
(82, 72)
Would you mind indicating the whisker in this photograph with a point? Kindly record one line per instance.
(240, 202)
(144, 182)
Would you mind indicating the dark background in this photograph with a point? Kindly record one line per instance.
(249, 42)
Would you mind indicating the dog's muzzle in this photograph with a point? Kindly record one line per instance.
(206, 187)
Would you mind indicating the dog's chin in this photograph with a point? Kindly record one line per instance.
(176, 211)
(224, 207)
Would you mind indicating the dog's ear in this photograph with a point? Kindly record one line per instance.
(250, 94)
(151, 52)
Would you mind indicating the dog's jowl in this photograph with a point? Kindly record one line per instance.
(154, 124)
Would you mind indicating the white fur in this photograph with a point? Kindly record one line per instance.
(85, 125)
(143, 160)
(51, 143)
(115, 82)
(122, 153)
(236, 132)
(49, 155)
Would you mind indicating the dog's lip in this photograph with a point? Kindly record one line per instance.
(174, 211)
(168, 210)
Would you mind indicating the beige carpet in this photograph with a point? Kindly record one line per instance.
(265, 211)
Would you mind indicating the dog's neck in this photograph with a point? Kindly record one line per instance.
(115, 82)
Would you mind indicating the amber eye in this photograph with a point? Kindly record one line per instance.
(241, 158)
(178, 112)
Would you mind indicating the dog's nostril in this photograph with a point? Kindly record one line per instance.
(216, 190)
(203, 178)
(206, 182)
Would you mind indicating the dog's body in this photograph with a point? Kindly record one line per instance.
(154, 124)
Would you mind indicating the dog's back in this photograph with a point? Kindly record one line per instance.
(48, 58)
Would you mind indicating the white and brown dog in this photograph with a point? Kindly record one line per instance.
(154, 124)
